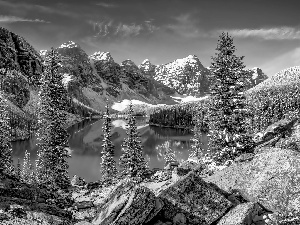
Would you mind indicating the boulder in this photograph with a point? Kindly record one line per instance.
(77, 181)
(198, 201)
(242, 214)
(244, 157)
(170, 165)
(131, 205)
(280, 127)
(271, 178)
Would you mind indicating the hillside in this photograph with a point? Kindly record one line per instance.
(284, 77)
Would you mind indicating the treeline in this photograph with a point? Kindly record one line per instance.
(180, 115)
(271, 104)
(266, 105)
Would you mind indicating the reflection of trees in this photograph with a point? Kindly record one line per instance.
(168, 132)
(167, 152)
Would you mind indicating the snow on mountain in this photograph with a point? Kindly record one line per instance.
(69, 44)
(284, 77)
(102, 56)
(186, 75)
(147, 68)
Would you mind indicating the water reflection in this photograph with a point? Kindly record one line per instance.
(86, 139)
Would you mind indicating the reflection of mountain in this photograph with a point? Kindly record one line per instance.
(89, 141)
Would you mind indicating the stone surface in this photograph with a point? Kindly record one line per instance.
(244, 157)
(126, 205)
(273, 130)
(191, 195)
(179, 219)
(272, 178)
(241, 214)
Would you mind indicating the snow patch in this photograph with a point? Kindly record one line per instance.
(184, 98)
(121, 106)
(69, 44)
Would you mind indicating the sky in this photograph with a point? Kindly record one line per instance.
(266, 32)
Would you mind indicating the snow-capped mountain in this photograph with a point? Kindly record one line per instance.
(256, 76)
(147, 68)
(186, 75)
(102, 56)
(284, 77)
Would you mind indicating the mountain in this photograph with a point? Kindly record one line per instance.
(186, 76)
(284, 77)
(256, 76)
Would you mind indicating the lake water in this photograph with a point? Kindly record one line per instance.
(86, 139)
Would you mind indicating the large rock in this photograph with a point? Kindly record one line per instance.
(278, 128)
(242, 214)
(199, 202)
(127, 204)
(272, 178)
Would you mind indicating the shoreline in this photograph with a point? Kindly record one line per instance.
(174, 127)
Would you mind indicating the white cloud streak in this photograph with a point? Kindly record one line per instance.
(276, 33)
(15, 19)
(108, 28)
(106, 5)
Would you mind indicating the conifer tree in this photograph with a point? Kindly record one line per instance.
(132, 161)
(6, 161)
(26, 167)
(108, 168)
(197, 151)
(169, 152)
(227, 110)
(51, 164)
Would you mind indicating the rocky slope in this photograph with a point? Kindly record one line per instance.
(284, 77)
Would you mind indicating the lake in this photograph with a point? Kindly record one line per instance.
(86, 139)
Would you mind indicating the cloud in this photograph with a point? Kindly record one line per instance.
(106, 5)
(184, 25)
(277, 33)
(14, 19)
(108, 28)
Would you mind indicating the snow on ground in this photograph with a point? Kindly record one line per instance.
(121, 106)
(66, 79)
(184, 98)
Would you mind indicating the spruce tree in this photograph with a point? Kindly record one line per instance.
(25, 173)
(108, 168)
(18, 172)
(51, 164)
(227, 111)
(6, 161)
(197, 151)
(132, 161)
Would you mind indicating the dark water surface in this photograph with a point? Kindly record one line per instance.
(86, 139)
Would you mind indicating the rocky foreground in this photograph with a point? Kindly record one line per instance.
(257, 188)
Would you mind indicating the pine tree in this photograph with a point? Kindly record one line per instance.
(197, 151)
(169, 152)
(26, 167)
(108, 168)
(6, 161)
(132, 161)
(227, 110)
(51, 164)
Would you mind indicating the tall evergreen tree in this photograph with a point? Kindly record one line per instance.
(132, 161)
(227, 111)
(25, 173)
(51, 164)
(6, 161)
(108, 168)
(197, 151)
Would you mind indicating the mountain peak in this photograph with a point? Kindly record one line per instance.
(102, 56)
(69, 44)
(128, 62)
